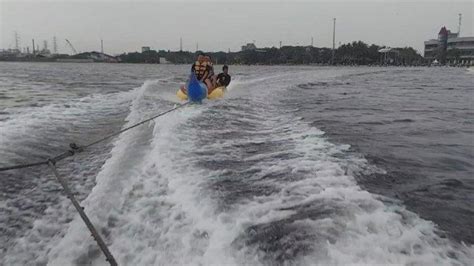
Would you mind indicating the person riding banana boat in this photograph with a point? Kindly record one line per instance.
(203, 70)
(223, 79)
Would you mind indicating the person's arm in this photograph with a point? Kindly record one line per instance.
(218, 80)
(204, 77)
(208, 73)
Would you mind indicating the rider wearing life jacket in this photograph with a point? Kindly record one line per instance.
(204, 70)
(209, 78)
(200, 67)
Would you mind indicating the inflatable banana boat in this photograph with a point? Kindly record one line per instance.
(215, 93)
(196, 91)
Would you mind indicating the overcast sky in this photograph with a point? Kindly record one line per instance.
(126, 26)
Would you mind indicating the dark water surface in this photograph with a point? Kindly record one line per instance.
(417, 124)
(296, 165)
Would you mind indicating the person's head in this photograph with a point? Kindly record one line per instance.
(201, 57)
(207, 58)
(225, 69)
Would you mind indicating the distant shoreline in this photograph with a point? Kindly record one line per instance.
(355, 53)
(289, 65)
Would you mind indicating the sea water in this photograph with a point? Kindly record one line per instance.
(296, 165)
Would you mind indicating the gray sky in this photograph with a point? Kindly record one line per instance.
(125, 26)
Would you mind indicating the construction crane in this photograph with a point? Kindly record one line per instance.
(70, 46)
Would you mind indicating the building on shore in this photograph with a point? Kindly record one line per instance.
(9, 53)
(450, 49)
(45, 55)
(389, 56)
(101, 57)
(163, 60)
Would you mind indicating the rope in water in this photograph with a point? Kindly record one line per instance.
(76, 149)
(108, 255)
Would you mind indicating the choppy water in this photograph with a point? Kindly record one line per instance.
(297, 165)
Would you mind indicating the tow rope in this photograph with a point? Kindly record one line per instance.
(74, 149)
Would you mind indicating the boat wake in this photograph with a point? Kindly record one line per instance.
(239, 181)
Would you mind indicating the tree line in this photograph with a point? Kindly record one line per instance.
(355, 53)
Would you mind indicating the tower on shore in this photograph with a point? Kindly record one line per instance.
(55, 45)
(333, 40)
(17, 41)
(45, 45)
(459, 25)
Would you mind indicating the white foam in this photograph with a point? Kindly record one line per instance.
(153, 200)
(49, 229)
(117, 195)
(27, 120)
(368, 232)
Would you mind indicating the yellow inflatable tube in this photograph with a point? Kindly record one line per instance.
(215, 94)
(181, 95)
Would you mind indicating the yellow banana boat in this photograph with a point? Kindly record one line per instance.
(215, 94)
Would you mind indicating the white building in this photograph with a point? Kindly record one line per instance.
(451, 49)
